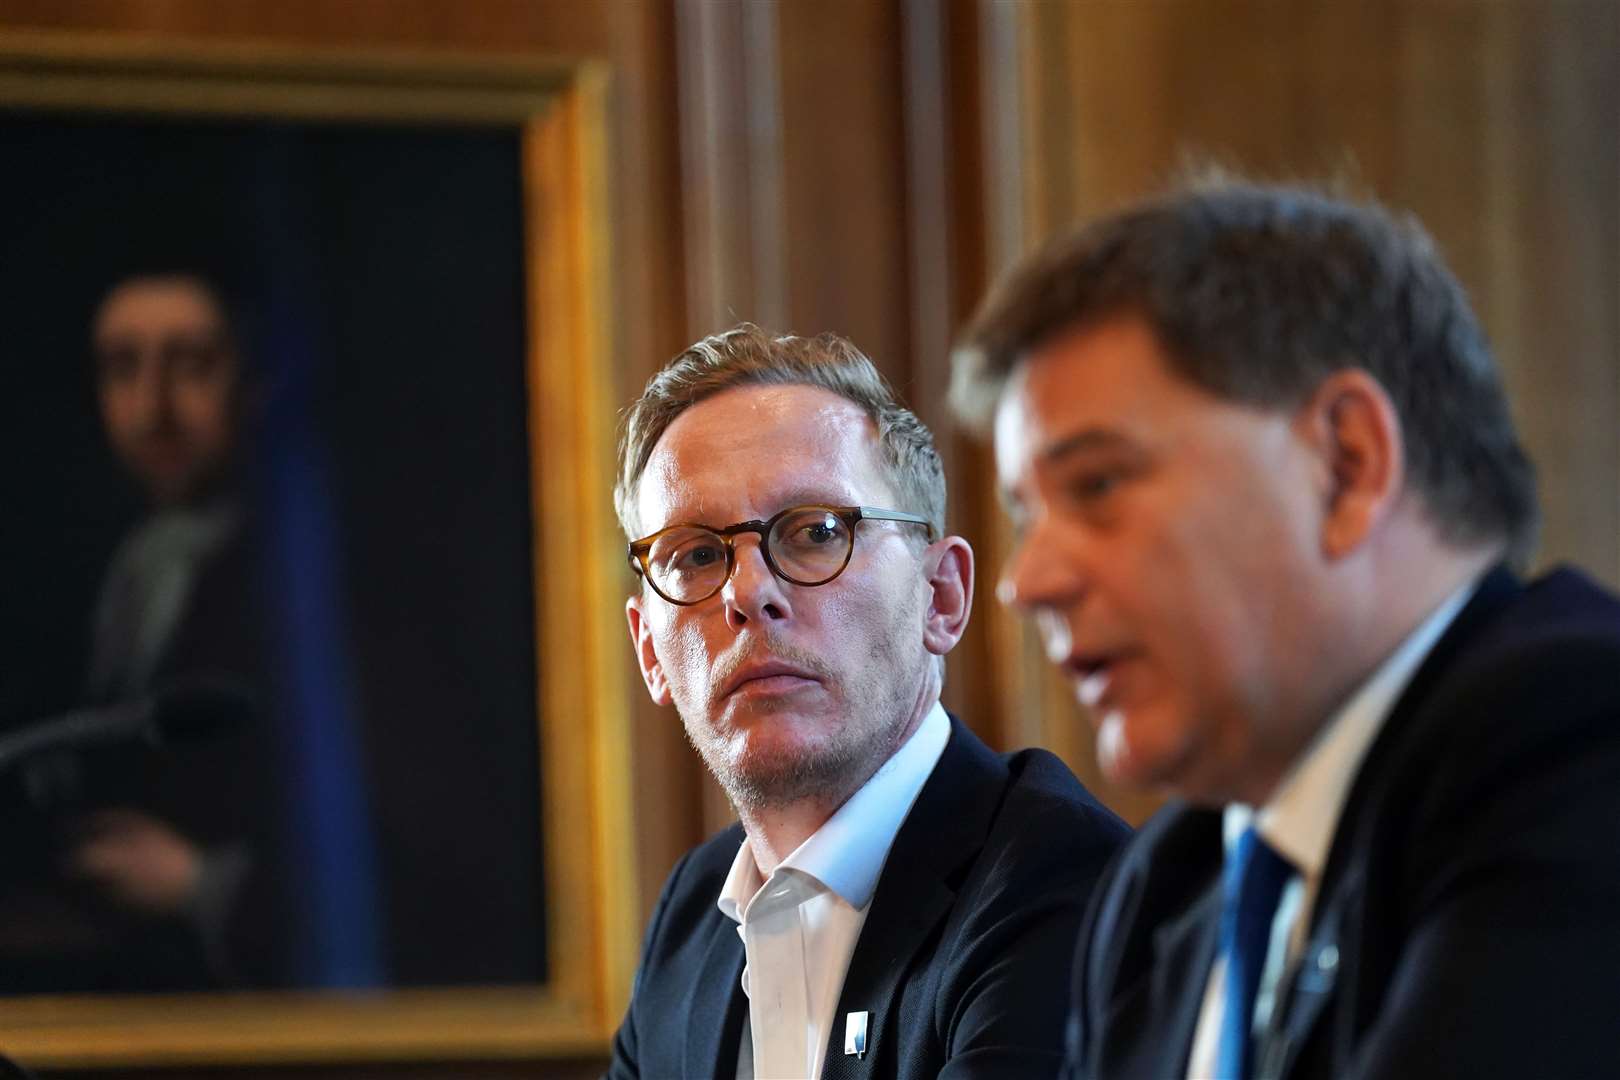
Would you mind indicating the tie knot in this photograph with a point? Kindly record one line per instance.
(1255, 873)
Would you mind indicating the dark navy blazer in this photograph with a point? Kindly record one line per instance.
(1468, 919)
(963, 962)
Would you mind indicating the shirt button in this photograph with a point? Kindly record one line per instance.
(1328, 958)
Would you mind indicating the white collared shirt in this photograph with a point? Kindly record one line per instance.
(799, 926)
(1302, 815)
(146, 594)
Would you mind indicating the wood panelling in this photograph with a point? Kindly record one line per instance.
(1547, 275)
(731, 155)
(844, 176)
(795, 170)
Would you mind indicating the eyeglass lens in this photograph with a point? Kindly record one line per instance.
(808, 546)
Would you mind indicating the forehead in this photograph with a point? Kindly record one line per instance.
(157, 306)
(1094, 386)
(749, 451)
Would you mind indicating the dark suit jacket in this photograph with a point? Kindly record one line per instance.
(963, 959)
(1468, 921)
(58, 935)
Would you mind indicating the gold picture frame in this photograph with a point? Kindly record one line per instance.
(560, 109)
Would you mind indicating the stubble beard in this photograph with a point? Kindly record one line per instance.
(874, 711)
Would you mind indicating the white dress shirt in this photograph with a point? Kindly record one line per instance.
(146, 594)
(1300, 819)
(799, 926)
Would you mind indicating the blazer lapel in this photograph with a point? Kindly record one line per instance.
(1306, 993)
(1312, 983)
(1141, 985)
(1184, 951)
(1495, 590)
(891, 937)
(1147, 1029)
(715, 1016)
(945, 829)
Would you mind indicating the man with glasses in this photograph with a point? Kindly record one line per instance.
(1268, 493)
(896, 899)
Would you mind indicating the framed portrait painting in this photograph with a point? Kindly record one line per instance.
(312, 715)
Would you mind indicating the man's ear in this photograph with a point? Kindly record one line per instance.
(1354, 427)
(949, 563)
(652, 672)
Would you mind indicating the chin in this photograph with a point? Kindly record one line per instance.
(776, 748)
(1139, 752)
(172, 490)
(768, 771)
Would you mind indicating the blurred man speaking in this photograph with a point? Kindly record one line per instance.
(1267, 487)
(897, 900)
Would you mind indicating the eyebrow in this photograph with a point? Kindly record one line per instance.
(1079, 442)
(812, 497)
(1082, 441)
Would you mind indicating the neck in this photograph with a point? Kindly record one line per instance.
(776, 829)
(1382, 603)
(1404, 591)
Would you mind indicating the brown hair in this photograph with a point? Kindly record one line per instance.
(748, 356)
(1258, 293)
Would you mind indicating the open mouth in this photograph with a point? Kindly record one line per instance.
(1093, 675)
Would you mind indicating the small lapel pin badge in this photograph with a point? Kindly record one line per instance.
(855, 1034)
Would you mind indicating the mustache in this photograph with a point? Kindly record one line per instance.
(771, 648)
(162, 426)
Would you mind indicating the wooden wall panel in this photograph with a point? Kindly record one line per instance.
(731, 155)
(1548, 271)
(844, 176)
(795, 170)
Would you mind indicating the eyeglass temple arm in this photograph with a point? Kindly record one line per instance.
(875, 514)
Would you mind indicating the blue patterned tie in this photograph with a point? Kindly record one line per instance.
(1251, 885)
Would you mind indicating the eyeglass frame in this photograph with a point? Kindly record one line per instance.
(640, 551)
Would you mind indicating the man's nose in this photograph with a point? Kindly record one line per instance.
(752, 592)
(150, 393)
(1040, 574)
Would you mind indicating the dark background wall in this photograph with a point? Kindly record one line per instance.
(865, 165)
